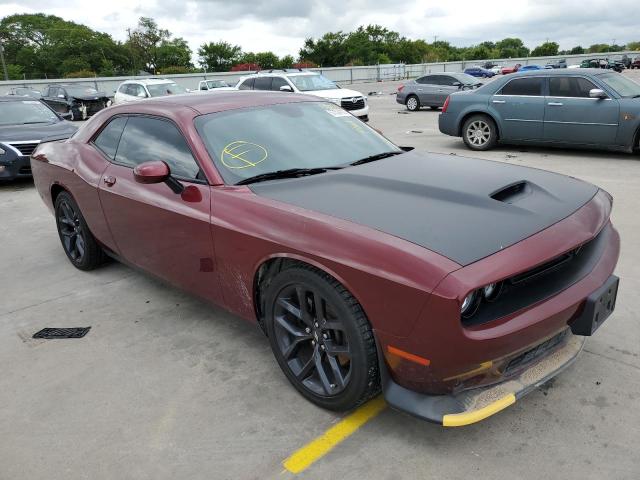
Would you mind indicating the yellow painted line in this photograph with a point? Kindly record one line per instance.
(316, 449)
(467, 418)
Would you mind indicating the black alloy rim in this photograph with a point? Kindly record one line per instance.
(71, 232)
(312, 340)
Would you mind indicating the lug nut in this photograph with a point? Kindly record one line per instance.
(316, 324)
(325, 336)
(308, 330)
(313, 342)
(333, 385)
(322, 347)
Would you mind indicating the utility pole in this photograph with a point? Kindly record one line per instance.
(4, 65)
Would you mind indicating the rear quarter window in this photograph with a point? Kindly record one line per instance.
(108, 139)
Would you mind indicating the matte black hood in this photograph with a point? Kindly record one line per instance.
(36, 131)
(464, 209)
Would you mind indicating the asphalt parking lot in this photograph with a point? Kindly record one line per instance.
(166, 386)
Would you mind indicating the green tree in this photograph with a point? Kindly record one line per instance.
(577, 50)
(635, 46)
(511, 48)
(174, 53)
(547, 49)
(286, 62)
(267, 60)
(145, 42)
(218, 56)
(598, 48)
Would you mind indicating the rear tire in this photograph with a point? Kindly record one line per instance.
(479, 132)
(321, 338)
(78, 243)
(413, 103)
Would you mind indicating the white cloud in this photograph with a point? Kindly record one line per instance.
(282, 25)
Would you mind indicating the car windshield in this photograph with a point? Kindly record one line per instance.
(80, 91)
(307, 83)
(217, 83)
(163, 89)
(624, 86)
(25, 112)
(251, 141)
(466, 79)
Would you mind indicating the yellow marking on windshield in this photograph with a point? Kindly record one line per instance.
(251, 155)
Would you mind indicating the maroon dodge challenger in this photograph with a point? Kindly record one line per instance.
(453, 285)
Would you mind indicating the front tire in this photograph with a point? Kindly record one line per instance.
(479, 132)
(412, 103)
(321, 338)
(78, 243)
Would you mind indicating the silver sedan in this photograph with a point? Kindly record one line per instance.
(433, 89)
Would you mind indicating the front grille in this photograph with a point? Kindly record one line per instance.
(25, 149)
(349, 104)
(534, 353)
(541, 282)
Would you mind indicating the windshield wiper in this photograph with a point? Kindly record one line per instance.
(31, 123)
(636, 96)
(288, 173)
(373, 158)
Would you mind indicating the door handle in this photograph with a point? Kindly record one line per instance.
(499, 101)
(555, 104)
(109, 181)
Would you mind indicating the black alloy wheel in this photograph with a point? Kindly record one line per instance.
(78, 243)
(321, 338)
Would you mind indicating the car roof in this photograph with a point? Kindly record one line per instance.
(150, 81)
(205, 103)
(561, 72)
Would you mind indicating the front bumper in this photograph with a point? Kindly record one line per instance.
(474, 405)
(14, 167)
(522, 372)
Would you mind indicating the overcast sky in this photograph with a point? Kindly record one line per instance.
(282, 25)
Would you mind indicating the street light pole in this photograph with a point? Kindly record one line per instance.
(4, 65)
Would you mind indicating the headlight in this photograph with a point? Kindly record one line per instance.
(2, 152)
(469, 303)
(491, 291)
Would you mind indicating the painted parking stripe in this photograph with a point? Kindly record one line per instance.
(319, 447)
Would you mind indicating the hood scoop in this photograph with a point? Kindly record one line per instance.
(513, 192)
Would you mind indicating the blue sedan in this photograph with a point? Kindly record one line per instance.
(591, 108)
(526, 68)
(479, 72)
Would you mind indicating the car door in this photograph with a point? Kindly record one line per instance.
(426, 89)
(572, 116)
(446, 88)
(164, 233)
(519, 108)
(56, 99)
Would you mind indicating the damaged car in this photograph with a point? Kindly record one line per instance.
(75, 101)
(368, 266)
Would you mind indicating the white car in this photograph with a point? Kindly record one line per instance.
(497, 69)
(218, 85)
(134, 90)
(308, 83)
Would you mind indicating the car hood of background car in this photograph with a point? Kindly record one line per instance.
(36, 131)
(458, 207)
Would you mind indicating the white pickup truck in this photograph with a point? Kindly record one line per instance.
(214, 85)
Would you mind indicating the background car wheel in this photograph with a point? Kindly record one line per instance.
(78, 243)
(321, 338)
(412, 103)
(479, 132)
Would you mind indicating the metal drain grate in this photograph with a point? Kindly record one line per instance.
(77, 332)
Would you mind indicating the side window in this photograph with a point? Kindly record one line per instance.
(428, 80)
(262, 83)
(145, 139)
(448, 81)
(108, 139)
(53, 91)
(122, 88)
(523, 86)
(570, 87)
(247, 84)
(277, 83)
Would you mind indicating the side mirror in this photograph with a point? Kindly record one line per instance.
(65, 115)
(597, 93)
(60, 95)
(286, 88)
(141, 95)
(457, 84)
(156, 172)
